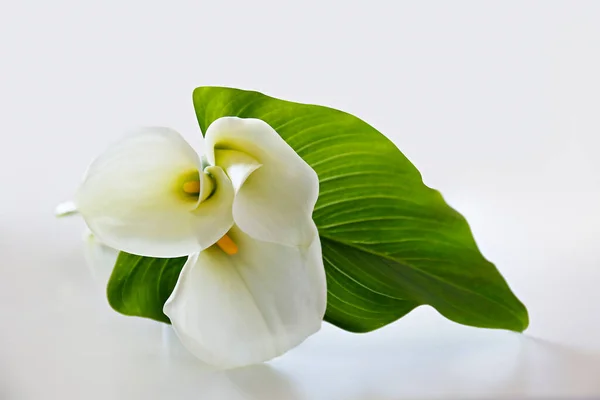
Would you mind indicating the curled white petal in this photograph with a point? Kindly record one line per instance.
(237, 164)
(133, 198)
(213, 216)
(276, 201)
(242, 309)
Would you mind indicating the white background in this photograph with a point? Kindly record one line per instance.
(497, 103)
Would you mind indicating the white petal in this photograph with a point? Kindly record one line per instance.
(132, 197)
(242, 309)
(276, 201)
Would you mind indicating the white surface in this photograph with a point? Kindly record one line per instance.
(497, 103)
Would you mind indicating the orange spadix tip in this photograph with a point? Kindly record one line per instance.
(192, 187)
(227, 245)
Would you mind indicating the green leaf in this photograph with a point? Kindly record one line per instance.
(140, 286)
(390, 243)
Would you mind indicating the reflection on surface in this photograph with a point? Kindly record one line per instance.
(64, 341)
(452, 363)
(262, 382)
(99, 258)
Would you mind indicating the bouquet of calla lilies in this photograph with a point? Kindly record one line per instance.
(295, 213)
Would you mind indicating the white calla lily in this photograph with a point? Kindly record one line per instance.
(254, 283)
(147, 195)
(235, 310)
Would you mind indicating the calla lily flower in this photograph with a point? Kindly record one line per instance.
(253, 306)
(254, 285)
(150, 195)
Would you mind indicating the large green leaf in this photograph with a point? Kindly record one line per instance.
(389, 242)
